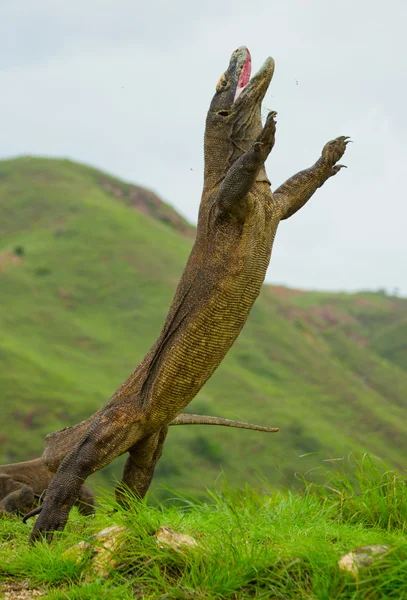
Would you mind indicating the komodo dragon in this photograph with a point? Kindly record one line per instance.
(22, 485)
(237, 222)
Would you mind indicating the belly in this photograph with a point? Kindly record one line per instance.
(211, 326)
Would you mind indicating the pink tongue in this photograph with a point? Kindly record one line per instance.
(244, 76)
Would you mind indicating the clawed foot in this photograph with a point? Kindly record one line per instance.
(333, 151)
(265, 140)
(47, 522)
(269, 128)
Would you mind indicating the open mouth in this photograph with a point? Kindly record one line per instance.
(244, 75)
(236, 89)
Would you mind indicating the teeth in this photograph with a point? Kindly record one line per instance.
(238, 92)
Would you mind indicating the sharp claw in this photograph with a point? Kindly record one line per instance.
(337, 168)
(34, 512)
(38, 536)
(344, 139)
(272, 114)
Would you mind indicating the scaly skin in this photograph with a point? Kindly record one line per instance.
(237, 222)
(22, 486)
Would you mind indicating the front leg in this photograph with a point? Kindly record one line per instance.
(296, 191)
(242, 175)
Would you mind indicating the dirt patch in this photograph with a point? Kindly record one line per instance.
(150, 204)
(19, 591)
(283, 292)
(65, 298)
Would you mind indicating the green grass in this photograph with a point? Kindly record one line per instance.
(284, 545)
(88, 268)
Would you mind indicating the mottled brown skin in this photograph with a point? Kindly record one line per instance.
(237, 222)
(22, 486)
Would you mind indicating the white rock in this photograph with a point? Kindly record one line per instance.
(167, 537)
(105, 549)
(361, 558)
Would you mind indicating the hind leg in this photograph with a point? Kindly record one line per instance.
(86, 501)
(114, 431)
(139, 469)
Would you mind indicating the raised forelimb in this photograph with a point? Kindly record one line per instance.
(296, 191)
(241, 176)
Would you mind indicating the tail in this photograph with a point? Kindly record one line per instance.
(187, 419)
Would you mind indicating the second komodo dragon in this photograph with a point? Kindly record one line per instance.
(237, 223)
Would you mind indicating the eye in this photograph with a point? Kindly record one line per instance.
(223, 84)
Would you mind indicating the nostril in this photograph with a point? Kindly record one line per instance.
(223, 113)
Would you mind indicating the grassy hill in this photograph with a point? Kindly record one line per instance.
(88, 268)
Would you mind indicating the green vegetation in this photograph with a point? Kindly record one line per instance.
(281, 546)
(88, 268)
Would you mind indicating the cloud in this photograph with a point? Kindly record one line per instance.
(126, 88)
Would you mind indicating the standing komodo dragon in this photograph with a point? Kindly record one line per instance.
(238, 219)
(22, 485)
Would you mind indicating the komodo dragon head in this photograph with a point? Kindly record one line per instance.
(234, 118)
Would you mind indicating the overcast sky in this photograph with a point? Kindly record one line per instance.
(124, 85)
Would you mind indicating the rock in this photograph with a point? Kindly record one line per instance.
(361, 558)
(109, 543)
(77, 552)
(167, 537)
(104, 547)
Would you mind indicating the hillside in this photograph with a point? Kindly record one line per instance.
(88, 268)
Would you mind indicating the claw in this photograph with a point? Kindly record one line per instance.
(337, 168)
(38, 536)
(34, 512)
(271, 116)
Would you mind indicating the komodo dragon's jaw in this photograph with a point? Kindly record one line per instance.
(233, 121)
(232, 82)
(235, 90)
